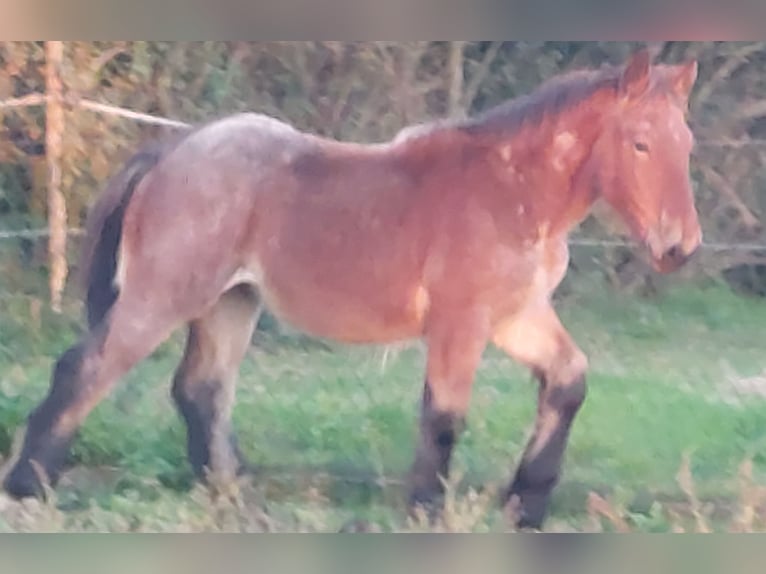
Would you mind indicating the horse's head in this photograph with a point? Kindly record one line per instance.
(641, 159)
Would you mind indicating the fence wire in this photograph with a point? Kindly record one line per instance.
(575, 241)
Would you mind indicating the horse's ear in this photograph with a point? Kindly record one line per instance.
(635, 78)
(684, 79)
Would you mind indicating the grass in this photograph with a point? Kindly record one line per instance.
(331, 430)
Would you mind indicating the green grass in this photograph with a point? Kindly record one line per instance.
(332, 430)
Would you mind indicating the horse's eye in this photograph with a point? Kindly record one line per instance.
(641, 147)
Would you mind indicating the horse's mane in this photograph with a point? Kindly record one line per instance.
(553, 97)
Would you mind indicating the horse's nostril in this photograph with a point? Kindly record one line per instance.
(673, 258)
(674, 253)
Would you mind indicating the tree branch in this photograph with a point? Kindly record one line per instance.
(457, 79)
(725, 71)
(477, 79)
(24, 102)
(719, 183)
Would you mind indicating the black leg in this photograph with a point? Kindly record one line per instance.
(202, 415)
(439, 432)
(540, 469)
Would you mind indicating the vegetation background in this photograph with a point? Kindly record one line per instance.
(678, 363)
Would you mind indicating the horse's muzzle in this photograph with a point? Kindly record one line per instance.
(673, 259)
(673, 243)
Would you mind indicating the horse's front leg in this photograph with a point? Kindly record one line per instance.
(455, 346)
(538, 340)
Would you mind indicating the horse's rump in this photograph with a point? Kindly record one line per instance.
(98, 260)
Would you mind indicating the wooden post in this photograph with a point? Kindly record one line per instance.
(57, 214)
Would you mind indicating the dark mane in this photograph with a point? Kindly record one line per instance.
(550, 98)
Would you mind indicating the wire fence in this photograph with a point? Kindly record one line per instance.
(574, 241)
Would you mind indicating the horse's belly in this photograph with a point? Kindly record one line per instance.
(344, 321)
(382, 315)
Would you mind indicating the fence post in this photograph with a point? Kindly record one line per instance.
(57, 214)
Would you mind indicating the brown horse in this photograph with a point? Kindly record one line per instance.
(454, 232)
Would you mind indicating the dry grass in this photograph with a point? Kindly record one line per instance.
(242, 508)
(689, 515)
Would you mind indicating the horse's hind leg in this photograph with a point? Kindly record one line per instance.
(82, 377)
(204, 384)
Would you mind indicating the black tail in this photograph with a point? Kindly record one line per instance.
(98, 263)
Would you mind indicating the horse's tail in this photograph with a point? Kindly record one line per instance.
(103, 230)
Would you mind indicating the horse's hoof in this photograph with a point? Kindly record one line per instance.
(22, 482)
(524, 517)
(425, 503)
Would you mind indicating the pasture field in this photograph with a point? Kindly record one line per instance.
(331, 430)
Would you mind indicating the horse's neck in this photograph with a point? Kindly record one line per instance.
(569, 195)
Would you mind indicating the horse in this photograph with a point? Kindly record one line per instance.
(454, 233)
